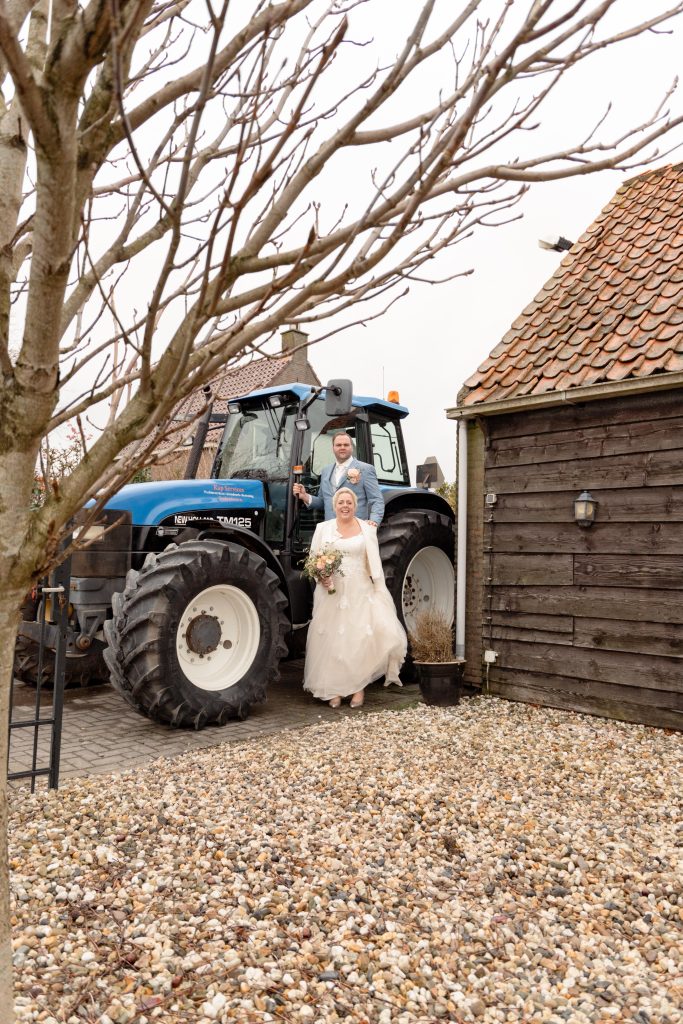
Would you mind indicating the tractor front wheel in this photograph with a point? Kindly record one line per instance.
(80, 669)
(87, 669)
(197, 634)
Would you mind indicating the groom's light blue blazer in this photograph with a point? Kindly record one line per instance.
(367, 491)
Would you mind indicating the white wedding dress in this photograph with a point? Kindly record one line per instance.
(354, 636)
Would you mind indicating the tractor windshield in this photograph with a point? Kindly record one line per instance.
(258, 443)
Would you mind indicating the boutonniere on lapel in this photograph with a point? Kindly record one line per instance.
(353, 475)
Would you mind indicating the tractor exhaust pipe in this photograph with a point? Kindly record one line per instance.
(199, 437)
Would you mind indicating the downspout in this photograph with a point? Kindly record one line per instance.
(461, 561)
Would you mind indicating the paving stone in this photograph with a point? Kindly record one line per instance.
(100, 733)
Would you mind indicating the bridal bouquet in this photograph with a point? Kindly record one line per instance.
(322, 565)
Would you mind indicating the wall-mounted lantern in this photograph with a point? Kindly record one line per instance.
(585, 507)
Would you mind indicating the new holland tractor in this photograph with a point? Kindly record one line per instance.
(190, 592)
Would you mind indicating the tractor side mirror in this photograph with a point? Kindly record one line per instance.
(338, 397)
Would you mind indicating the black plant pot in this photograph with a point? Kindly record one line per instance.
(440, 682)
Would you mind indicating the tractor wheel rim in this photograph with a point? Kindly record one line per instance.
(428, 585)
(218, 637)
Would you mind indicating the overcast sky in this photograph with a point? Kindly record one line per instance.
(428, 343)
(431, 341)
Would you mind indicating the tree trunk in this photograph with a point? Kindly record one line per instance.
(17, 554)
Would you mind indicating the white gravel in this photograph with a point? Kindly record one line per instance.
(491, 862)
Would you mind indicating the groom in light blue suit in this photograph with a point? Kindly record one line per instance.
(360, 477)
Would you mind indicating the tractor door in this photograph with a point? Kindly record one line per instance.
(376, 439)
(316, 454)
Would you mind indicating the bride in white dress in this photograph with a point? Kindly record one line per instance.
(354, 636)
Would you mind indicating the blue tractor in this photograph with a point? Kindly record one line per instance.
(190, 592)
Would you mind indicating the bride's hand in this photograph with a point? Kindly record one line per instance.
(326, 582)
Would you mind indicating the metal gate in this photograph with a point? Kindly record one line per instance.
(50, 630)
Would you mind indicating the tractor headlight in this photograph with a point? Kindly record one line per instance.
(106, 545)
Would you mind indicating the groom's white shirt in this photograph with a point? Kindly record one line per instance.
(339, 469)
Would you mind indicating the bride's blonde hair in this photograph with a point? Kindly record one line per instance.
(344, 490)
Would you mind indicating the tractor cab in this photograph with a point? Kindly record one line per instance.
(285, 434)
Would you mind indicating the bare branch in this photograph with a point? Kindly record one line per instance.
(207, 175)
(28, 90)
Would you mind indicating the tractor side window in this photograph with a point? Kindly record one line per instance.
(388, 453)
(322, 454)
(320, 438)
(257, 446)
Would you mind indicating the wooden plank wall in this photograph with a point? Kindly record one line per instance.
(588, 618)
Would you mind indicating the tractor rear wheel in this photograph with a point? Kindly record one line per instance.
(197, 634)
(417, 548)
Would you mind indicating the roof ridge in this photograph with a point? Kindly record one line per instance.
(652, 172)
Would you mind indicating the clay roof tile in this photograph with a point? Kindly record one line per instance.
(617, 371)
(612, 308)
(674, 362)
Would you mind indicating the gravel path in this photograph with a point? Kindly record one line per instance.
(491, 862)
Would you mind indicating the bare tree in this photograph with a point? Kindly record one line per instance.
(176, 188)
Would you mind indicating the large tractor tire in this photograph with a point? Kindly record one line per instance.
(417, 548)
(197, 634)
(87, 669)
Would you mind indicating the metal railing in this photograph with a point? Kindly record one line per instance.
(51, 634)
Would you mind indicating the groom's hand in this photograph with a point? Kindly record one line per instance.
(371, 522)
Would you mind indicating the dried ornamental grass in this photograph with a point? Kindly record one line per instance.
(431, 638)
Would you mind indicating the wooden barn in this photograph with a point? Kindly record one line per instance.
(585, 394)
